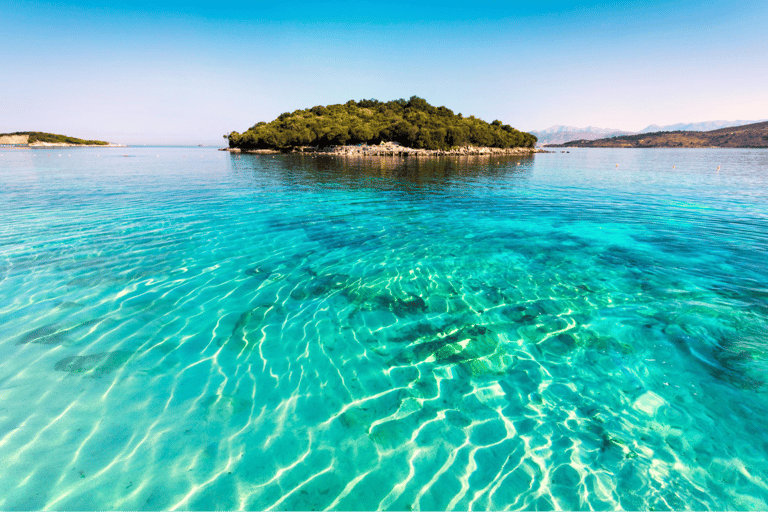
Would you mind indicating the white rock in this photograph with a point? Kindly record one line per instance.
(649, 402)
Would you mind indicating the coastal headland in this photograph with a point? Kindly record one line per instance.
(44, 140)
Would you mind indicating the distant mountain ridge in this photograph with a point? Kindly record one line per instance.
(704, 126)
(753, 135)
(560, 134)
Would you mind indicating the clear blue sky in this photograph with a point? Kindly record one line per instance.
(189, 72)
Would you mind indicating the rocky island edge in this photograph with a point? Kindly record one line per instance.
(392, 149)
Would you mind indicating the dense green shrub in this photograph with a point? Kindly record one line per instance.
(413, 123)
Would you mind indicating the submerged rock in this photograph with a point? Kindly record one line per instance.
(473, 348)
(47, 335)
(320, 285)
(724, 358)
(420, 330)
(53, 334)
(247, 324)
(224, 406)
(69, 305)
(258, 272)
(400, 307)
(100, 364)
(368, 300)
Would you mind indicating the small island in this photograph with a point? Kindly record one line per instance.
(371, 127)
(42, 139)
(746, 136)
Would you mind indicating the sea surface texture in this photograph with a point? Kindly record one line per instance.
(185, 328)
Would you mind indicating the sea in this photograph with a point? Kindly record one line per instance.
(185, 328)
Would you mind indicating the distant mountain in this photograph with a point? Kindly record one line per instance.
(559, 134)
(746, 136)
(696, 127)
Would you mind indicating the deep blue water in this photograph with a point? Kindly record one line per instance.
(185, 328)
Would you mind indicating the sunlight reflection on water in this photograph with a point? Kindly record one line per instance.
(299, 332)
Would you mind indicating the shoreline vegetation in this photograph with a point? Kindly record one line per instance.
(371, 127)
(43, 139)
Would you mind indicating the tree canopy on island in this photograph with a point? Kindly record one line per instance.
(412, 123)
(55, 138)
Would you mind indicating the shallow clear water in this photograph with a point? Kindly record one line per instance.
(184, 328)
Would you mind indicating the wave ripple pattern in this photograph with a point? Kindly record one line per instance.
(182, 328)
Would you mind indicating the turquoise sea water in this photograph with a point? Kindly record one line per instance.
(184, 328)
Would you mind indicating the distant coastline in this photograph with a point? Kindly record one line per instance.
(745, 136)
(67, 145)
(560, 134)
(50, 140)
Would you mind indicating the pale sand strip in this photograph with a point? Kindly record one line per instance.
(14, 139)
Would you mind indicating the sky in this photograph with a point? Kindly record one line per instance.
(190, 72)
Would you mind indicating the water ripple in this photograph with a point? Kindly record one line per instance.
(186, 329)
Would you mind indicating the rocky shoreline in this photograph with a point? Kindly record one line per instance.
(67, 145)
(393, 149)
(51, 145)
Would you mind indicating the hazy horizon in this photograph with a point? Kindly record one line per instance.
(188, 73)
